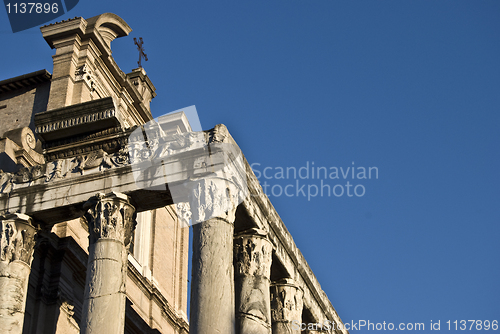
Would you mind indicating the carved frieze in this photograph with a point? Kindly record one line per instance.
(96, 161)
(5, 182)
(224, 192)
(17, 239)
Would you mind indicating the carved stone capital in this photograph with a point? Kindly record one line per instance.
(286, 301)
(253, 254)
(213, 197)
(17, 238)
(110, 216)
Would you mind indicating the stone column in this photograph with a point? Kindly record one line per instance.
(286, 307)
(212, 283)
(111, 220)
(16, 253)
(252, 258)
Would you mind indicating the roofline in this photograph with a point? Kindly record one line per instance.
(24, 80)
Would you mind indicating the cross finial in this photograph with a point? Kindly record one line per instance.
(141, 50)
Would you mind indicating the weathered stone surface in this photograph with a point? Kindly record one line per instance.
(47, 190)
(286, 306)
(212, 286)
(16, 242)
(111, 220)
(212, 283)
(67, 186)
(253, 253)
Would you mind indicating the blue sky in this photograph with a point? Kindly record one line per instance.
(409, 87)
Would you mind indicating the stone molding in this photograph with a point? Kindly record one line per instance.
(96, 161)
(79, 120)
(17, 239)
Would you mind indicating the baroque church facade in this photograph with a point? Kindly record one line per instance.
(95, 238)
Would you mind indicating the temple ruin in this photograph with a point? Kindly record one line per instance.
(94, 239)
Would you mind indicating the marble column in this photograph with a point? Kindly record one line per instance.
(252, 259)
(286, 307)
(16, 253)
(111, 220)
(212, 282)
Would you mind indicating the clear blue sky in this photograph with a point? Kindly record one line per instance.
(409, 87)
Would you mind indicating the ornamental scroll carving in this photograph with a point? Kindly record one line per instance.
(110, 216)
(17, 238)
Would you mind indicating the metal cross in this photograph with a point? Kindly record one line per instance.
(141, 50)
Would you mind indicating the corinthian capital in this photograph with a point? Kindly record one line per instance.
(17, 238)
(213, 197)
(110, 216)
(286, 301)
(253, 253)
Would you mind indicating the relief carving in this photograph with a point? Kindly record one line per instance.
(55, 170)
(5, 182)
(252, 258)
(139, 150)
(97, 159)
(110, 216)
(286, 301)
(17, 238)
(253, 254)
(183, 213)
(213, 197)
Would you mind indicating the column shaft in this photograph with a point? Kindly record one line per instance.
(111, 222)
(253, 254)
(212, 284)
(17, 243)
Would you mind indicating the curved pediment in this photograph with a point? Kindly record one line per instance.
(109, 26)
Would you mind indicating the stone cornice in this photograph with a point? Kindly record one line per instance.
(62, 123)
